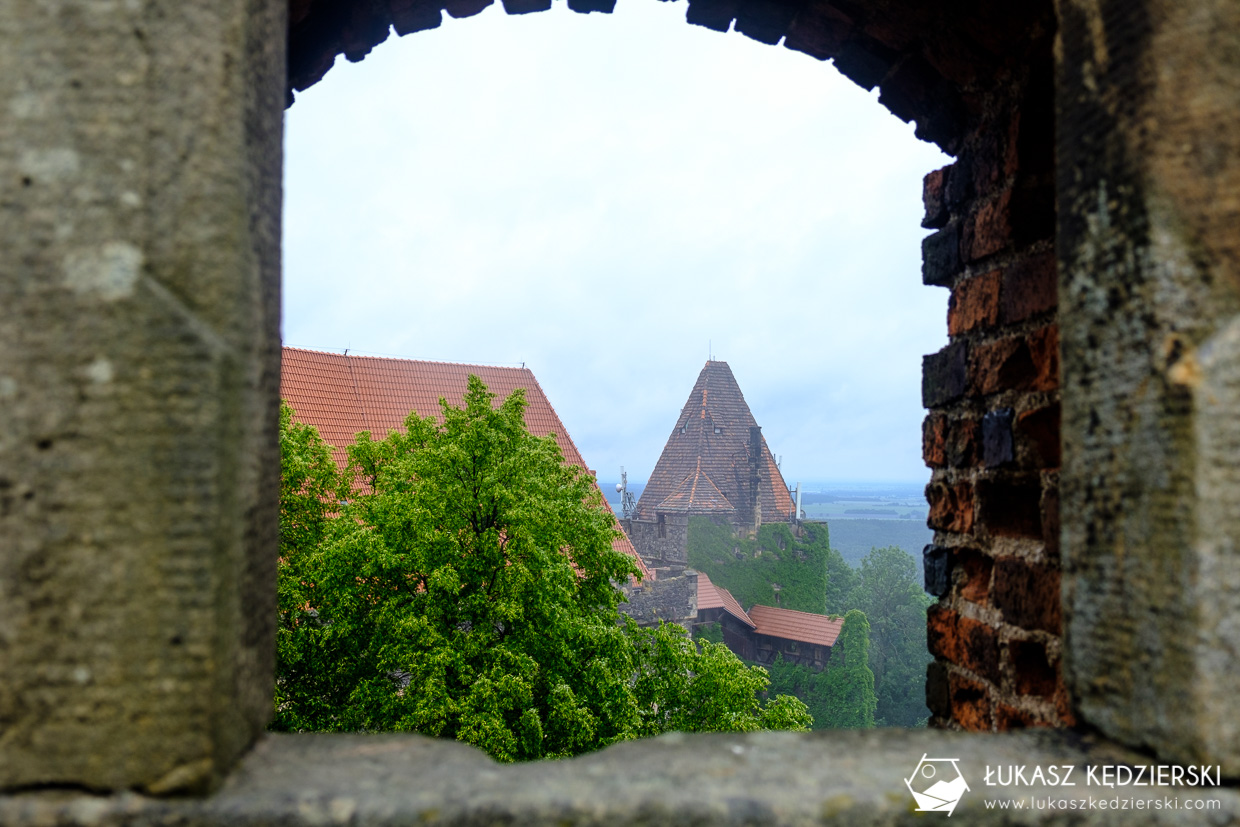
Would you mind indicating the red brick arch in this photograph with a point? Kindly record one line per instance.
(977, 79)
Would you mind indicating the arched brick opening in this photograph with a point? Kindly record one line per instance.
(978, 82)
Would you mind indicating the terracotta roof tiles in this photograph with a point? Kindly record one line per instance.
(711, 436)
(711, 596)
(793, 625)
(343, 394)
(696, 494)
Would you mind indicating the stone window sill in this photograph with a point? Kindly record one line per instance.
(844, 777)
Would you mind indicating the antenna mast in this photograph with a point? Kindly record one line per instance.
(627, 504)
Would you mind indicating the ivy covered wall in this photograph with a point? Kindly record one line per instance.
(774, 568)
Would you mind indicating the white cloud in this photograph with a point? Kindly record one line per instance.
(600, 197)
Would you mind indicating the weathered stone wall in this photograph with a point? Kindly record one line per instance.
(672, 599)
(992, 433)
(139, 362)
(139, 155)
(766, 778)
(1149, 245)
(660, 544)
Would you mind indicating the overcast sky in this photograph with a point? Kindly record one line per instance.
(609, 198)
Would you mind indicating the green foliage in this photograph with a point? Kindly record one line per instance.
(889, 592)
(849, 691)
(466, 590)
(842, 696)
(804, 683)
(749, 568)
(841, 581)
(712, 632)
(309, 483)
(683, 687)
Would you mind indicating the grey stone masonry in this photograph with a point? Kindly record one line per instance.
(140, 154)
(1150, 316)
(769, 779)
(669, 598)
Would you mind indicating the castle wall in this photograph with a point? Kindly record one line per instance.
(673, 600)
(662, 542)
(991, 435)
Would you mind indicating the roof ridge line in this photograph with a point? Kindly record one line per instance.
(355, 355)
(795, 611)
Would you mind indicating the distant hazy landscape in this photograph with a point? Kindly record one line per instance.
(859, 516)
(853, 539)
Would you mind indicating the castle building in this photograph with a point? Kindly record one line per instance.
(715, 463)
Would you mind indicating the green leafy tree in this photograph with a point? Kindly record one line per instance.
(684, 687)
(467, 590)
(849, 683)
(841, 581)
(810, 686)
(889, 592)
(309, 486)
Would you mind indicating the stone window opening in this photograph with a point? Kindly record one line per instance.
(137, 617)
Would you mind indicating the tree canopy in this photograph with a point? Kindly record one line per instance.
(842, 696)
(460, 581)
(888, 590)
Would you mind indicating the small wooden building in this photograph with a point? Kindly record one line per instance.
(763, 632)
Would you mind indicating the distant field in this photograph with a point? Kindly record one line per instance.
(866, 508)
(854, 538)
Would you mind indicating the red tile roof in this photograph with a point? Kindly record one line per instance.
(793, 625)
(696, 494)
(342, 395)
(711, 596)
(712, 436)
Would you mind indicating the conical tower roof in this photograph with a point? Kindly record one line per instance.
(708, 452)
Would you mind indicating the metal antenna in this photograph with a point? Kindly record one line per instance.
(627, 504)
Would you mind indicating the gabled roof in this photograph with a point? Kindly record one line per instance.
(711, 438)
(710, 596)
(342, 395)
(696, 494)
(793, 625)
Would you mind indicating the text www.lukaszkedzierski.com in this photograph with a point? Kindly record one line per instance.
(1091, 803)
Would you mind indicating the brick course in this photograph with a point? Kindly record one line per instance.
(991, 435)
(974, 304)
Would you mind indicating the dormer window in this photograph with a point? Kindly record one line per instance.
(718, 430)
